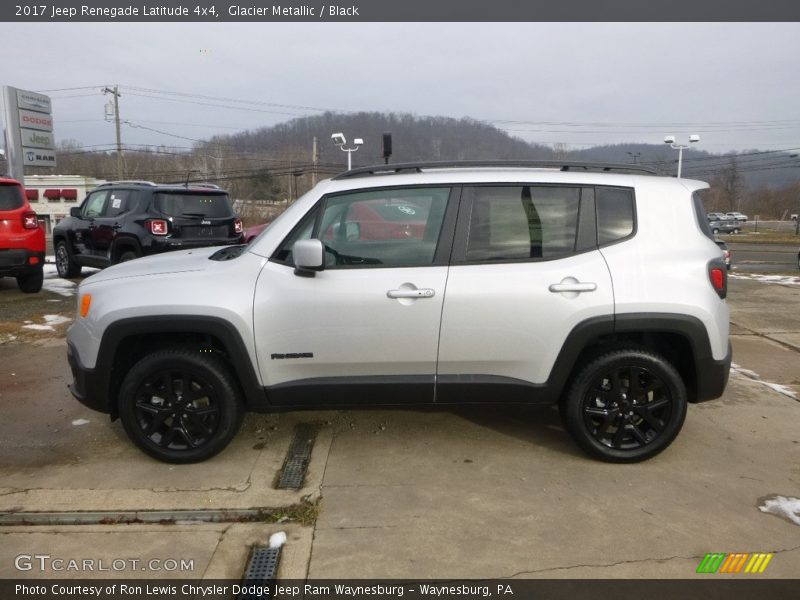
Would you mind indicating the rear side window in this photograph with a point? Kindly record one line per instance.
(119, 203)
(615, 214)
(10, 197)
(522, 222)
(193, 205)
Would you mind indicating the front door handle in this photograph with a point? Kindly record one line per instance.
(406, 293)
(572, 286)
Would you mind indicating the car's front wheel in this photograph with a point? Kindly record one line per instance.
(180, 405)
(625, 406)
(65, 264)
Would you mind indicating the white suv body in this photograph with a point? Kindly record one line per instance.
(432, 287)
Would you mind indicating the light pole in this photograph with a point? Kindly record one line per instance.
(340, 140)
(634, 155)
(670, 139)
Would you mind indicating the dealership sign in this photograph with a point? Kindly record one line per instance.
(29, 130)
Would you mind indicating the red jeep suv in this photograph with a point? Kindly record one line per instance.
(21, 238)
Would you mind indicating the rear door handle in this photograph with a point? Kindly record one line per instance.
(420, 293)
(577, 286)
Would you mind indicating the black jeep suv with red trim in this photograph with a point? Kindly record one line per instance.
(124, 220)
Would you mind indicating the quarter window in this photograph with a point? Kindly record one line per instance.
(614, 214)
(522, 222)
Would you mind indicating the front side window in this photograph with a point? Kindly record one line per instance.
(522, 222)
(95, 204)
(389, 227)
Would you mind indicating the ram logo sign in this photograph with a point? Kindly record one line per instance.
(743, 562)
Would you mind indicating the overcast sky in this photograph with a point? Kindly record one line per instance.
(581, 84)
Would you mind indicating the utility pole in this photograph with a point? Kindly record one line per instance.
(115, 92)
(314, 161)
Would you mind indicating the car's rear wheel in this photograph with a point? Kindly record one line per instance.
(625, 406)
(180, 405)
(31, 282)
(65, 264)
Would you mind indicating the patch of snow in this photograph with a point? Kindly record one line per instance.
(782, 506)
(78, 422)
(38, 327)
(62, 287)
(56, 319)
(780, 279)
(276, 540)
(752, 375)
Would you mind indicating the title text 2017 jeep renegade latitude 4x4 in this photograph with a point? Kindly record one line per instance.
(525, 285)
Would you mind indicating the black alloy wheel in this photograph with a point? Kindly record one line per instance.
(65, 265)
(180, 405)
(626, 406)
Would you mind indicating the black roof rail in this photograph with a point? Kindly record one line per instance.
(398, 168)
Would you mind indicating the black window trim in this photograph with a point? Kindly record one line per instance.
(444, 244)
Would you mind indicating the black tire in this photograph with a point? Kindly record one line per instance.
(127, 255)
(65, 264)
(160, 420)
(31, 282)
(625, 406)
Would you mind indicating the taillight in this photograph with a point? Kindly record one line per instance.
(718, 274)
(29, 220)
(237, 226)
(157, 226)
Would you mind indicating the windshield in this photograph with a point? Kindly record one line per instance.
(10, 197)
(193, 205)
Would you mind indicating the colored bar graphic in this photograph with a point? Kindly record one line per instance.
(734, 563)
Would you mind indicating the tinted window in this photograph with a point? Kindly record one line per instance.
(10, 197)
(95, 204)
(699, 210)
(522, 222)
(193, 205)
(614, 214)
(395, 227)
(119, 202)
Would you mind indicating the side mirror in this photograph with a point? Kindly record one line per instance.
(309, 257)
(75, 211)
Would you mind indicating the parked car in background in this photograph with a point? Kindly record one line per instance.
(726, 253)
(253, 232)
(716, 216)
(727, 226)
(123, 220)
(737, 216)
(22, 242)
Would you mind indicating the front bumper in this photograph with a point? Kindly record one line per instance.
(18, 261)
(89, 386)
(712, 376)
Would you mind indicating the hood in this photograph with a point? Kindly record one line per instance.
(158, 264)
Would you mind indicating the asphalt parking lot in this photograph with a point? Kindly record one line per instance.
(393, 494)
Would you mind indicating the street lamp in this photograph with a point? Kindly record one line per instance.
(340, 140)
(670, 139)
(634, 155)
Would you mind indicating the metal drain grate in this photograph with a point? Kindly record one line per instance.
(296, 462)
(261, 573)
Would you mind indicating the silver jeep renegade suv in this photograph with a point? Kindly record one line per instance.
(598, 288)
